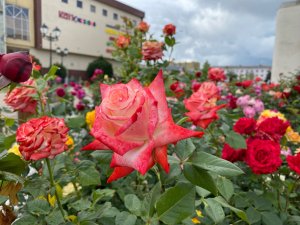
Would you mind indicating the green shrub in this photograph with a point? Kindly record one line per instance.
(100, 63)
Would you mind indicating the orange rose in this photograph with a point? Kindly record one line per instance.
(169, 29)
(123, 42)
(143, 27)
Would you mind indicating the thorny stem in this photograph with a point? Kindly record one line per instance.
(53, 185)
(182, 120)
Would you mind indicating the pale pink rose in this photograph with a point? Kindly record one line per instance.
(20, 98)
(249, 111)
(152, 50)
(43, 137)
(216, 74)
(136, 124)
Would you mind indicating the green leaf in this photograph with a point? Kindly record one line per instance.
(41, 84)
(125, 218)
(214, 210)
(271, 218)
(253, 215)
(235, 140)
(51, 73)
(54, 218)
(81, 204)
(200, 177)
(11, 177)
(215, 164)
(202, 192)
(89, 176)
(12, 163)
(3, 199)
(9, 122)
(76, 122)
(225, 187)
(150, 200)
(6, 142)
(26, 220)
(184, 149)
(103, 194)
(241, 214)
(39, 207)
(87, 223)
(133, 204)
(176, 204)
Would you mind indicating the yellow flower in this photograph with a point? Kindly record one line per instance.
(15, 150)
(90, 118)
(70, 142)
(199, 213)
(291, 135)
(51, 200)
(195, 220)
(270, 113)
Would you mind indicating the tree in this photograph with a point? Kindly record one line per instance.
(100, 63)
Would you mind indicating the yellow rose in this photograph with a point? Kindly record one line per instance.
(90, 118)
(270, 113)
(291, 135)
(15, 150)
(70, 142)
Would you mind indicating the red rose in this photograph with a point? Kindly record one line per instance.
(169, 29)
(294, 162)
(233, 155)
(272, 128)
(43, 137)
(143, 27)
(80, 106)
(216, 74)
(122, 41)
(21, 98)
(263, 156)
(232, 101)
(244, 84)
(202, 105)
(152, 50)
(136, 124)
(195, 85)
(245, 126)
(297, 88)
(60, 92)
(14, 67)
(178, 88)
(257, 79)
(198, 74)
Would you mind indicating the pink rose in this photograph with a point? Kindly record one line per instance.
(152, 50)
(136, 124)
(216, 74)
(21, 98)
(249, 111)
(43, 137)
(202, 105)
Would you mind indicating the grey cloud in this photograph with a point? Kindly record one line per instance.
(224, 32)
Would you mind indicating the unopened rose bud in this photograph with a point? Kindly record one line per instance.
(14, 67)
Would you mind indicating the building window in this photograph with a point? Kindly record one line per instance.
(17, 22)
(93, 8)
(115, 16)
(134, 22)
(64, 1)
(104, 12)
(79, 4)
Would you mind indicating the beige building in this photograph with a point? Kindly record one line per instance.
(257, 71)
(286, 58)
(88, 28)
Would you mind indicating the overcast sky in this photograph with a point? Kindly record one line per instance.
(224, 32)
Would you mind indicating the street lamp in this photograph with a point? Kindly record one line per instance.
(62, 52)
(52, 36)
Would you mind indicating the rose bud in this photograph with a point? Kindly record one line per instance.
(169, 29)
(14, 67)
(60, 92)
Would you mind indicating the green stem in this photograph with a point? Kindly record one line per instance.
(53, 185)
(182, 120)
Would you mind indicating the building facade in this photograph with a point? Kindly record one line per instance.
(257, 71)
(286, 57)
(88, 28)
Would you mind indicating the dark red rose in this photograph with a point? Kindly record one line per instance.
(263, 156)
(233, 155)
(297, 88)
(198, 74)
(272, 129)
(245, 125)
(169, 29)
(60, 92)
(294, 162)
(244, 84)
(178, 88)
(195, 85)
(14, 67)
(231, 101)
(80, 106)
